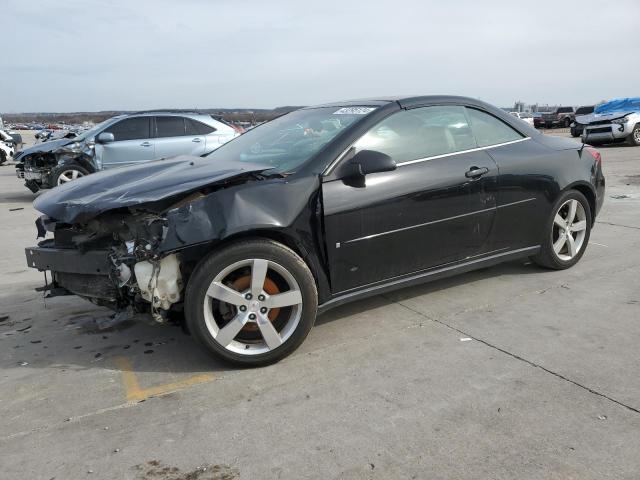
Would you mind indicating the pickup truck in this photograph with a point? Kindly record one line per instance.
(560, 117)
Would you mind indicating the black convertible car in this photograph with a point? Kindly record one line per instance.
(319, 207)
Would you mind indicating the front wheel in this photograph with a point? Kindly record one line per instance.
(634, 138)
(251, 303)
(66, 173)
(566, 233)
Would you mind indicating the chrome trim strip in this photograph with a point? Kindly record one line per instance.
(440, 220)
(375, 235)
(516, 203)
(331, 166)
(461, 152)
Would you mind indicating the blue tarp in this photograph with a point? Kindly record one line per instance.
(620, 105)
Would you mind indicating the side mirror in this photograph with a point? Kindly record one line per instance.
(105, 137)
(369, 161)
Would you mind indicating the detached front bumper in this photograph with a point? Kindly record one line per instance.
(67, 260)
(84, 274)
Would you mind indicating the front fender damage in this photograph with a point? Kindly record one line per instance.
(153, 247)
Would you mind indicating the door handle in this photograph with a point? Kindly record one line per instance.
(476, 172)
(145, 144)
(196, 140)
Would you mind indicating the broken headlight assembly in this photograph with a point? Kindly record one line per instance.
(621, 121)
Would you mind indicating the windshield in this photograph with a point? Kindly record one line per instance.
(92, 131)
(584, 110)
(289, 141)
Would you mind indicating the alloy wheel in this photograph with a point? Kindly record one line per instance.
(68, 175)
(569, 230)
(636, 135)
(242, 316)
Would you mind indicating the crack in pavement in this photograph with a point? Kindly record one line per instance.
(518, 357)
(618, 225)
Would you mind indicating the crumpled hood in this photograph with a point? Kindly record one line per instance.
(89, 196)
(45, 147)
(600, 117)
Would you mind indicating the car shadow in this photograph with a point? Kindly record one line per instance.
(71, 333)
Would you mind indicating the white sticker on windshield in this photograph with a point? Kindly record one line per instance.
(354, 110)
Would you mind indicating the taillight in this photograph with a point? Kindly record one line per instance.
(595, 154)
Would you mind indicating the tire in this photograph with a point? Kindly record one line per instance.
(634, 138)
(70, 171)
(562, 257)
(3, 157)
(566, 123)
(229, 273)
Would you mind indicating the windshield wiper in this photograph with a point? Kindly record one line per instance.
(267, 174)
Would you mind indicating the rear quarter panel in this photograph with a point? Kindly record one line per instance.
(532, 176)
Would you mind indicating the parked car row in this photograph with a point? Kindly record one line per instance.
(609, 122)
(612, 122)
(524, 116)
(118, 142)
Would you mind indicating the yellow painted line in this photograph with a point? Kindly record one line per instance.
(135, 393)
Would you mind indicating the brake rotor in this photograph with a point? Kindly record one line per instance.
(243, 283)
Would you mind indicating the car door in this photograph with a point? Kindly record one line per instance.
(172, 138)
(437, 207)
(132, 143)
(198, 133)
(524, 185)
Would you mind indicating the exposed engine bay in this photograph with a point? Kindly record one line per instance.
(136, 274)
(42, 168)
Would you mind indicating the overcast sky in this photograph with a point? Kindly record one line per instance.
(86, 55)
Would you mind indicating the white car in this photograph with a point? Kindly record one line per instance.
(6, 152)
(524, 116)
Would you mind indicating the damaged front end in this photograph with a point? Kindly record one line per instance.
(39, 168)
(132, 245)
(111, 260)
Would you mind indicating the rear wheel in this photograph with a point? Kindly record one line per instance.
(66, 173)
(251, 303)
(566, 233)
(3, 157)
(634, 138)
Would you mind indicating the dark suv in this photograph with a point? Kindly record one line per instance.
(576, 127)
(560, 117)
